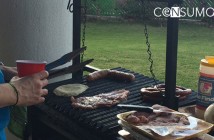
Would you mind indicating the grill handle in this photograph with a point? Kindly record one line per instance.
(136, 107)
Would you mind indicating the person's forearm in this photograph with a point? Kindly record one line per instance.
(7, 95)
(8, 72)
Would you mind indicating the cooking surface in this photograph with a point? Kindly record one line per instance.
(102, 121)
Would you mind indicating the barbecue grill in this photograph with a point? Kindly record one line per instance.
(57, 120)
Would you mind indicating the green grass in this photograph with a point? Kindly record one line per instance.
(123, 45)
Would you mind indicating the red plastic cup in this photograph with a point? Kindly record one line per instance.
(29, 67)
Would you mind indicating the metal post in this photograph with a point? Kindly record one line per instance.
(171, 61)
(76, 33)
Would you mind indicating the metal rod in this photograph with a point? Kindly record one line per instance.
(76, 33)
(171, 61)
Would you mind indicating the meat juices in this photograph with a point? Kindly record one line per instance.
(157, 119)
(101, 100)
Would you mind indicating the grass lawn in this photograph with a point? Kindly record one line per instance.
(123, 45)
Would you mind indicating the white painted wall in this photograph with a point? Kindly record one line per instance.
(34, 29)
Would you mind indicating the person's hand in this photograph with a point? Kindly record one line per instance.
(30, 88)
(9, 72)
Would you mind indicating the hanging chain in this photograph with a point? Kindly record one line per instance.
(70, 6)
(84, 26)
(84, 18)
(149, 53)
(148, 43)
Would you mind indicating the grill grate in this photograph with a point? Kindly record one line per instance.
(103, 121)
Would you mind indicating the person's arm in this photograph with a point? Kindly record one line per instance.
(30, 90)
(7, 95)
(9, 72)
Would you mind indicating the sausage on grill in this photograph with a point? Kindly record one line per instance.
(113, 74)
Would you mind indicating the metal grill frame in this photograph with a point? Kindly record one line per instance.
(100, 124)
